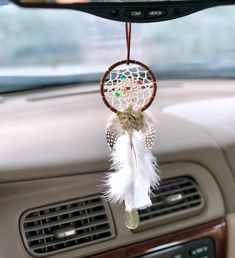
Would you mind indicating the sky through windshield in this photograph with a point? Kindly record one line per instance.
(59, 38)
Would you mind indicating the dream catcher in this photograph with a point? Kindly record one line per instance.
(128, 88)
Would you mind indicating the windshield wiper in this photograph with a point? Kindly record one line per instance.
(19, 83)
(195, 71)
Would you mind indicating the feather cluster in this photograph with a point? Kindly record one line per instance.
(135, 172)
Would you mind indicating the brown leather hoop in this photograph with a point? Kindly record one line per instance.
(128, 61)
(153, 78)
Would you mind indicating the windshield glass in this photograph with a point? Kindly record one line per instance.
(62, 42)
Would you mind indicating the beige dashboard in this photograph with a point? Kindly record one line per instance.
(53, 148)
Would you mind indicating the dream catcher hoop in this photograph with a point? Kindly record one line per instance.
(128, 88)
(128, 82)
(125, 84)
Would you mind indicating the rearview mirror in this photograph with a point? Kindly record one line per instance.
(130, 10)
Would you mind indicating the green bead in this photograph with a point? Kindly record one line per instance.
(132, 219)
(122, 77)
(117, 93)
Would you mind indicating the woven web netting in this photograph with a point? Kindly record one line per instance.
(127, 85)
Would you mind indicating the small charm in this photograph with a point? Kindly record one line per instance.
(132, 219)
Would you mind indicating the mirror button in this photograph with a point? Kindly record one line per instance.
(135, 14)
(114, 13)
(156, 13)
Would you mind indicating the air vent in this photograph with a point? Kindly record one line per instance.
(72, 224)
(176, 198)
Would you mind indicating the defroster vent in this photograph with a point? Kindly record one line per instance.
(72, 224)
(176, 198)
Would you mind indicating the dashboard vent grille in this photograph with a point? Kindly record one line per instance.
(175, 198)
(67, 225)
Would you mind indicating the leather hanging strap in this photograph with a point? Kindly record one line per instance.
(128, 41)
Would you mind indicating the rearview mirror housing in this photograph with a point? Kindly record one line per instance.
(129, 10)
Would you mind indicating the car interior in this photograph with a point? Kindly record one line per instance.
(53, 151)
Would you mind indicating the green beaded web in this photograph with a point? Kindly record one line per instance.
(129, 84)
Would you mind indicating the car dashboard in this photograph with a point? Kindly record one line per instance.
(54, 157)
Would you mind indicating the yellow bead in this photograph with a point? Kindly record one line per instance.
(132, 219)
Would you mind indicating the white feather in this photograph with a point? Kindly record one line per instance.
(135, 173)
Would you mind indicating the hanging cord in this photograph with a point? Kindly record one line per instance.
(128, 41)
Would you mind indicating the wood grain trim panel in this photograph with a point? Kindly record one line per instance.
(215, 229)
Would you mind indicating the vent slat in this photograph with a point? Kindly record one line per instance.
(61, 212)
(174, 195)
(39, 237)
(94, 224)
(72, 224)
(64, 221)
(57, 242)
(162, 211)
(185, 196)
(192, 195)
(173, 182)
(175, 191)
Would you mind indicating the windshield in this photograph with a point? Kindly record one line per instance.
(62, 43)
